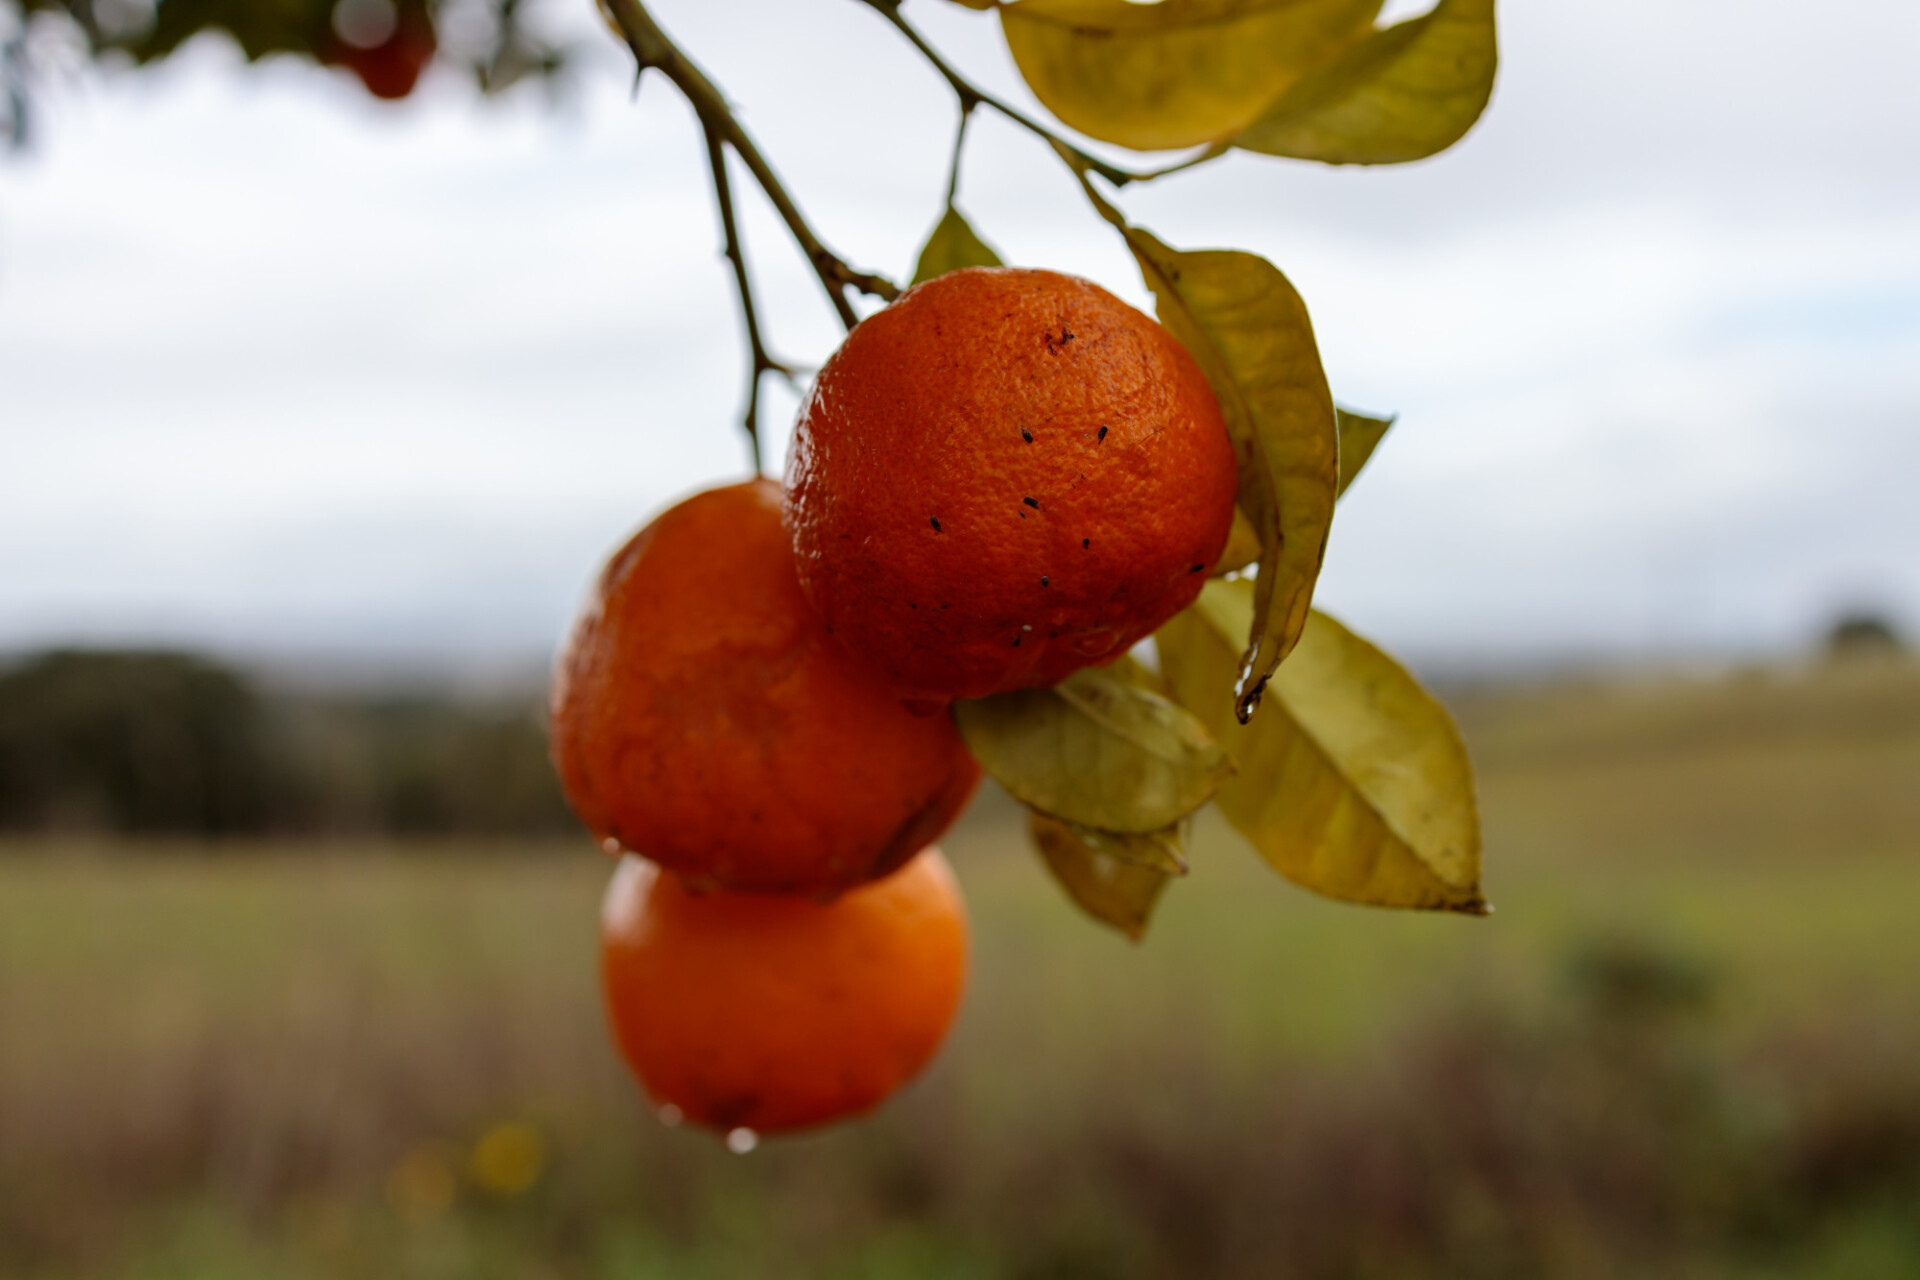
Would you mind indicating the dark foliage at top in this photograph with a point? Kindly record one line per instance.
(386, 42)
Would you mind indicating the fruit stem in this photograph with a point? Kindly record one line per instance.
(758, 361)
(652, 48)
(972, 95)
(959, 144)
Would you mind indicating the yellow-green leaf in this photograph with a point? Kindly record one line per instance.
(1178, 73)
(1359, 436)
(1404, 93)
(1354, 781)
(1096, 749)
(952, 245)
(1109, 889)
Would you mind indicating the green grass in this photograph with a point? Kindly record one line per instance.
(212, 1061)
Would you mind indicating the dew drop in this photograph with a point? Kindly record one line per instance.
(610, 845)
(1096, 644)
(670, 1116)
(742, 1140)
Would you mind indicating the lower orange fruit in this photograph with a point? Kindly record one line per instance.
(703, 716)
(750, 1011)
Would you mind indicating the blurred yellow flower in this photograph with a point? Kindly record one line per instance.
(509, 1158)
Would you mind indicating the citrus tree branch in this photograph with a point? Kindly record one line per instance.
(971, 95)
(653, 49)
(758, 361)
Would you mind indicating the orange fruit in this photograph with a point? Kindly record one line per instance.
(777, 1013)
(702, 716)
(1003, 477)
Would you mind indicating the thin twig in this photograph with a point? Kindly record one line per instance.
(758, 361)
(959, 142)
(970, 93)
(1211, 152)
(652, 48)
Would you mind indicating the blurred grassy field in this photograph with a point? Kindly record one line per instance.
(1687, 1044)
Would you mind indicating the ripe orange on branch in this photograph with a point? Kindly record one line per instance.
(1003, 477)
(776, 1013)
(702, 716)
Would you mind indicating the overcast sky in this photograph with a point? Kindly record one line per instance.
(284, 370)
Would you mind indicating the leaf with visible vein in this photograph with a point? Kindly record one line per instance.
(1097, 749)
(1404, 93)
(1354, 783)
(1179, 73)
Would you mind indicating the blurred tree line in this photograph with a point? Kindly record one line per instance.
(149, 743)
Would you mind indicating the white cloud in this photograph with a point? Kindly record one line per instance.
(284, 368)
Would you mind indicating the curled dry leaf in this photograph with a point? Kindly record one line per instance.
(1111, 889)
(1163, 850)
(1248, 330)
(1354, 783)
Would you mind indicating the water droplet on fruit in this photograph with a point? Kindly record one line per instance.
(670, 1116)
(1096, 644)
(610, 845)
(742, 1140)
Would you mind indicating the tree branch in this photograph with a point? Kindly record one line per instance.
(972, 95)
(758, 361)
(652, 48)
